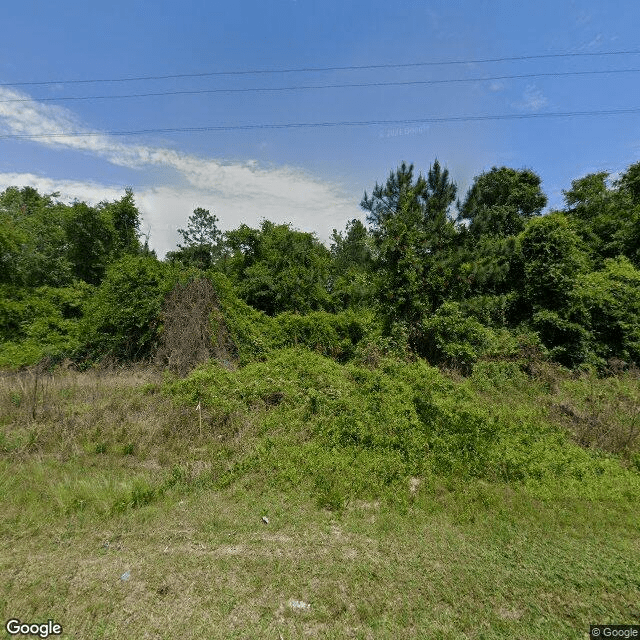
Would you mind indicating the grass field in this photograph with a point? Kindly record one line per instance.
(111, 474)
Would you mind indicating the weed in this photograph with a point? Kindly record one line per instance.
(603, 413)
(400, 502)
(100, 447)
(129, 449)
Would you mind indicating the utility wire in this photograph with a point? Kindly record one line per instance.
(554, 74)
(319, 69)
(344, 123)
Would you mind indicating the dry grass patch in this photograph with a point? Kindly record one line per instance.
(116, 411)
(602, 413)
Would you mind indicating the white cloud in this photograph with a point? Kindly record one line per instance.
(237, 192)
(165, 209)
(68, 189)
(596, 41)
(532, 99)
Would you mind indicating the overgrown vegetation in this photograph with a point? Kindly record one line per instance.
(489, 263)
(400, 501)
(467, 379)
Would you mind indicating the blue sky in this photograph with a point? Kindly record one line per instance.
(311, 177)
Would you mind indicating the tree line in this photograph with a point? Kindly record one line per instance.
(451, 276)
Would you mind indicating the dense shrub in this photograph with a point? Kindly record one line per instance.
(451, 338)
(553, 258)
(40, 322)
(254, 333)
(276, 268)
(250, 331)
(332, 335)
(569, 343)
(491, 310)
(122, 319)
(46, 242)
(347, 431)
(607, 302)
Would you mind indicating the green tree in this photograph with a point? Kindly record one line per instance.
(607, 303)
(629, 182)
(489, 266)
(49, 243)
(40, 321)
(276, 268)
(607, 213)
(122, 318)
(429, 198)
(413, 235)
(353, 249)
(90, 234)
(32, 239)
(628, 234)
(496, 208)
(25, 202)
(553, 258)
(568, 342)
(202, 241)
(351, 264)
(591, 204)
(500, 202)
(12, 239)
(587, 196)
(125, 219)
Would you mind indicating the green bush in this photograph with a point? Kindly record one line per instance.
(569, 343)
(451, 338)
(346, 431)
(40, 322)
(332, 335)
(251, 331)
(490, 310)
(608, 303)
(122, 318)
(553, 256)
(254, 333)
(276, 268)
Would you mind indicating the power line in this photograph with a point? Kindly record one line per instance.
(555, 74)
(320, 69)
(344, 123)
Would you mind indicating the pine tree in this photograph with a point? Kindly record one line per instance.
(413, 234)
(202, 241)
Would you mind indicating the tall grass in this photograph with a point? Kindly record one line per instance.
(401, 502)
(99, 441)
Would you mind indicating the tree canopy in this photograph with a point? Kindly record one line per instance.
(276, 268)
(202, 241)
(501, 201)
(449, 279)
(413, 234)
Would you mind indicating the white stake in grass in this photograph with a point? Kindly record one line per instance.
(199, 410)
